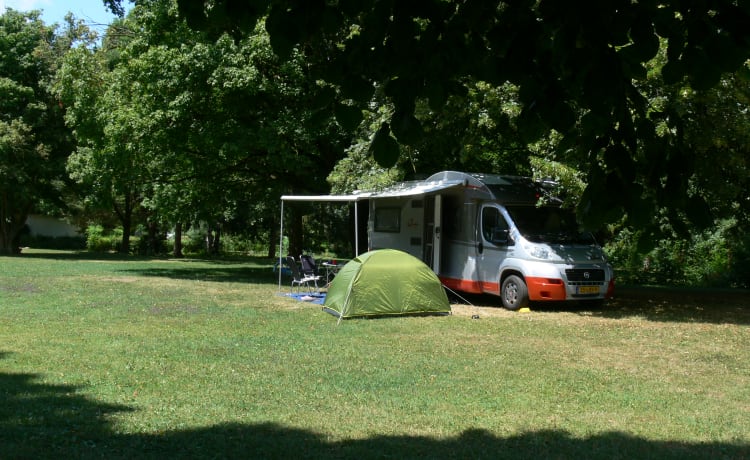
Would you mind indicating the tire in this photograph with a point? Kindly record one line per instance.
(514, 293)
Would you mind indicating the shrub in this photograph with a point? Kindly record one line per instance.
(95, 240)
(738, 268)
(194, 241)
(713, 258)
(708, 262)
(236, 244)
(99, 241)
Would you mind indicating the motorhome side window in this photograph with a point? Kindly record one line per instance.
(388, 220)
(453, 218)
(494, 228)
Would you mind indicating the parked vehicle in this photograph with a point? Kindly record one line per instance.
(484, 233)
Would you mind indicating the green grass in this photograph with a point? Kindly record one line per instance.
(146, 358)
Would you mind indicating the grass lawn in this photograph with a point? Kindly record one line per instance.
(106, 357)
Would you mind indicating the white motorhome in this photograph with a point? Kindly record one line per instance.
(486, 233)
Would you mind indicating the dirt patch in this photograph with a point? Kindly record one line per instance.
(27, 288)
(482, 311)
(119, 279)
(174, 309)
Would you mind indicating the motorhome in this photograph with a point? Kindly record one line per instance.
(484, 233)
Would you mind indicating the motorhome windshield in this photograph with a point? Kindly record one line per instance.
(548, 225)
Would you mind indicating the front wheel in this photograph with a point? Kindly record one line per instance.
(514, 293)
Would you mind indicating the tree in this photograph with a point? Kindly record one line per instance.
(104, 119)
(472, 132)
(34, 142)
(712, 126)
(196, 130)
(236, 124)
(567, 58)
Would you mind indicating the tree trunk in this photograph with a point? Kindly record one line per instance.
(273, 239)
(213, 239)
(216, 246)
(9, 238)
(11, 225)
(177, 253)
(209, 239)
(125, 244)
(126, 219)
(296, 241)
(154, 244)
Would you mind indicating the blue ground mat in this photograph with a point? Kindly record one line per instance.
(314, 298)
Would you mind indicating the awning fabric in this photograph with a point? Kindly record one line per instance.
(415, 188)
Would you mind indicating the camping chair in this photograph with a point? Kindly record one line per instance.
(298, 278)
(310, 269)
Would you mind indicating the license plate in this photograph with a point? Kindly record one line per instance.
(588, 289)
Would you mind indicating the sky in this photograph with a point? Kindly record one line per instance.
(53, 11)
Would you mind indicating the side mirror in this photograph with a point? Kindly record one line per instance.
(500, 237)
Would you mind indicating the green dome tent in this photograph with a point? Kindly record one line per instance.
(385, 282)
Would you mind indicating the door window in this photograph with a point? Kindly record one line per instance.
(494, 227)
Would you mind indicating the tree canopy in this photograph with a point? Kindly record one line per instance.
(188, 130)
(34, 141)
(203, 113)
(578, 66)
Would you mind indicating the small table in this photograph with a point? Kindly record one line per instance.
(331, 270)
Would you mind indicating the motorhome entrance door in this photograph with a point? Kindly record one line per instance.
(431, 237)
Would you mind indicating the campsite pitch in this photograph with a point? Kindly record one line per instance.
(145, 358)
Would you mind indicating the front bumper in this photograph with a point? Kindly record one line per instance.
(571, 282)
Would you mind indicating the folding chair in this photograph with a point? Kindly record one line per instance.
(299, 278)
(310, 269)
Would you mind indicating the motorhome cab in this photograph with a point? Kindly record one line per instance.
(486, 234)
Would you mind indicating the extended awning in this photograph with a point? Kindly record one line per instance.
(415, 188)
(322, 199)
(326, 198)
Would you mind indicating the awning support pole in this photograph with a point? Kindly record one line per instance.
(356, 228)
(281, 241)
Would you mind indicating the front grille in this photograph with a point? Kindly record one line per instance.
(580, 276)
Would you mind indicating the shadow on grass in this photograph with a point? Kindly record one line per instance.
(73, 255)
(49, 421)
(690, 305)
(109, 256)
(238, 269)
(717, 306)
(43, 421)
(258, 270)
(226, 273)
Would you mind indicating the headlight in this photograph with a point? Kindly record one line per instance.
(540, 252)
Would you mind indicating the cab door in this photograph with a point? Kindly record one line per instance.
(492, 247)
